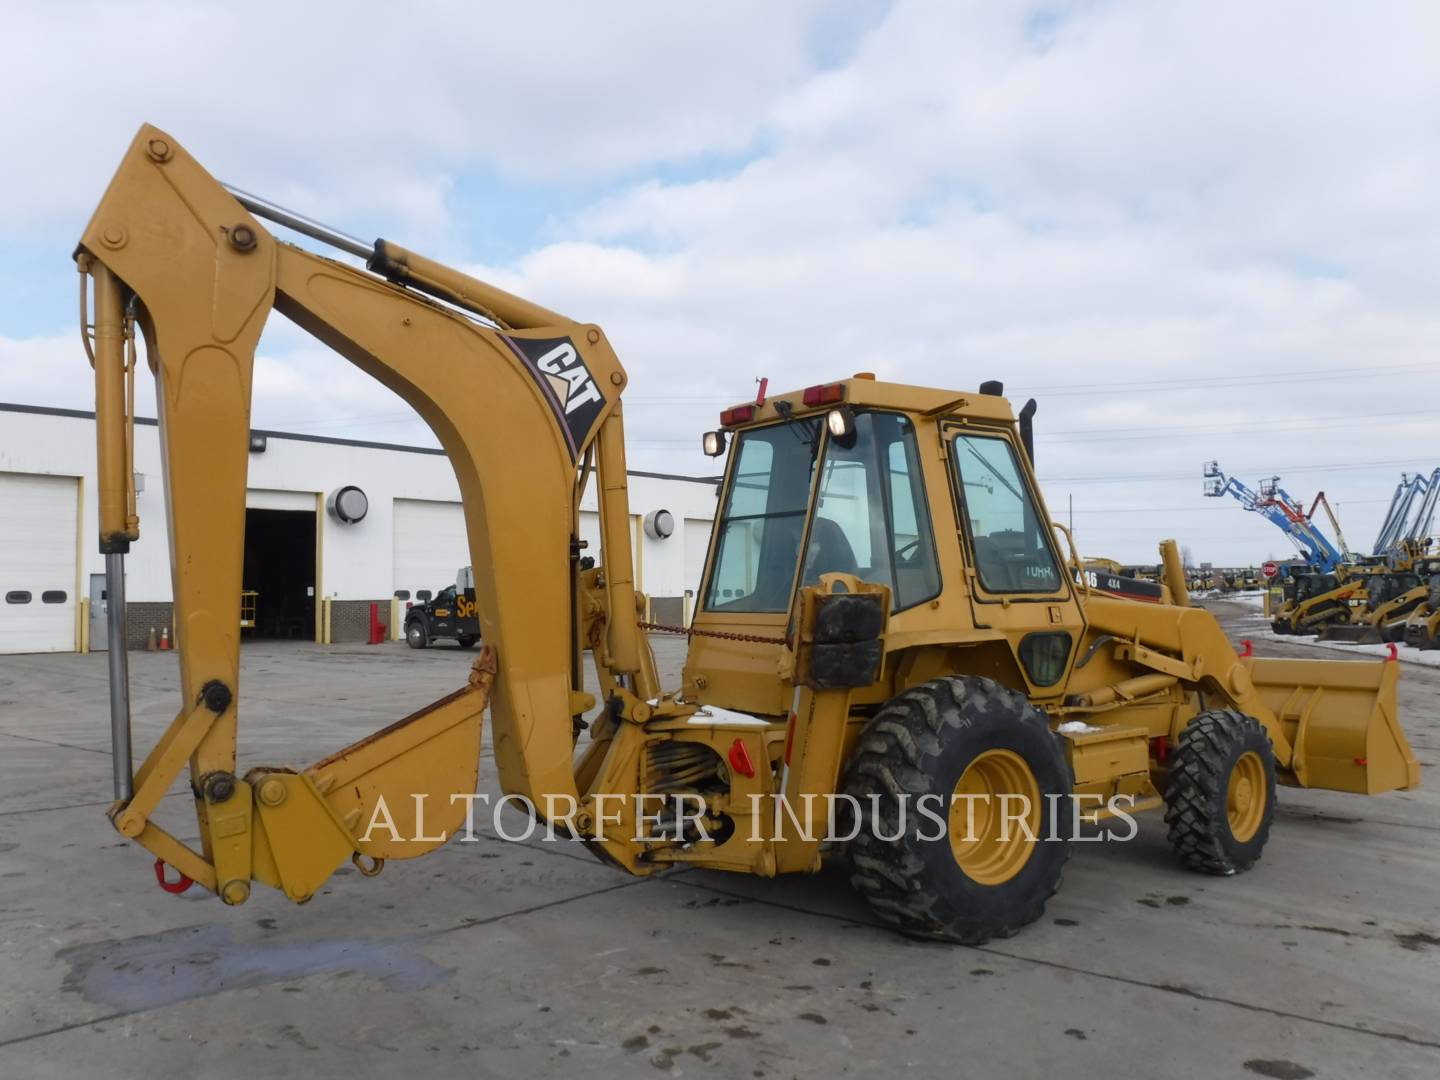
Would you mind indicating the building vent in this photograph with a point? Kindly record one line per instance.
(348, 504)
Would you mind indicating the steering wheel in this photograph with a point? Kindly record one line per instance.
(904, 554)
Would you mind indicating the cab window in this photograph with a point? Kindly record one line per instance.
(1009, 538)
(871, 518)
(763, 519)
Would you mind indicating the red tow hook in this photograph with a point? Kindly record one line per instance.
(175, 887)
(1249, 648)
(1394, 652)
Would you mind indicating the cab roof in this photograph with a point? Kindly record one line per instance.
(862, 391)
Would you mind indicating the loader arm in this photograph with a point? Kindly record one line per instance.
(518, 402)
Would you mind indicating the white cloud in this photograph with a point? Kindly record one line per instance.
(363, 105)
(1105, 207)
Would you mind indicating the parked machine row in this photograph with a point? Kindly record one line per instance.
(1388, 595)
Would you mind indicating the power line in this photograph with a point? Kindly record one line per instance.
(1174, 431)
(1059, 390)
(1186, 509)
(1155, 477)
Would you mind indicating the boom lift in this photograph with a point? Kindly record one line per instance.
(1278, 508)
(1320, 596)
(886, 613)
(1397, 582)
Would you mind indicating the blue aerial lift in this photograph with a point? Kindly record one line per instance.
(1286, 514)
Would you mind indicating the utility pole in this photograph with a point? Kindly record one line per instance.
(1072, 512)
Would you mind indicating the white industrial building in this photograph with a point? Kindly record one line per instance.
(312, 573)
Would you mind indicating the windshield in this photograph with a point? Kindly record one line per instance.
(1012, 548)
(871, 517)
(763, 519)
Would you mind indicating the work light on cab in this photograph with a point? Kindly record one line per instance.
(841, 423)
(713, 443)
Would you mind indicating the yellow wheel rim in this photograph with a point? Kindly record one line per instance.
(995, 817)
(1245, 796)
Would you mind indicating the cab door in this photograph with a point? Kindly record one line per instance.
(444, 613)
(1015, 572)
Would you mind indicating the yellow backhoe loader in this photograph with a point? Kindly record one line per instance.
(887, 616)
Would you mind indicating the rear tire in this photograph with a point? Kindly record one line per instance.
(923, 874)
(415, 636)
(1221, 770)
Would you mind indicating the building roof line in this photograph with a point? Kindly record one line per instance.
(332, 440)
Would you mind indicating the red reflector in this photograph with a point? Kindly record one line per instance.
(789, 737)
(824, 395)
(740, 414)
(740, 758)
(1362, 761)
(1161, 747)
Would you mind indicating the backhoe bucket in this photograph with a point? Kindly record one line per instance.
(1341, 719)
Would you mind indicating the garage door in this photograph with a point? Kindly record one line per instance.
(697, 540)
(38, 537)
(430, 544)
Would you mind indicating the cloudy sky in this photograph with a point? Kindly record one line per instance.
(1192, 231)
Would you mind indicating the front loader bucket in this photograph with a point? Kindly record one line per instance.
(1340, 717)
(1351, 634)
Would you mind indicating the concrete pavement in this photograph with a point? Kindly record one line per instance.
(505, 959)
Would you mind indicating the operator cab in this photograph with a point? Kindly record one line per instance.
(890, 485)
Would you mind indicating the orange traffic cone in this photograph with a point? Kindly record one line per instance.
(150, 645)
(165, 639)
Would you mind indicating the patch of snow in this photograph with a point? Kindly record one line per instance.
(1254, 600)
(1076, 727)
(713, 714)
(1405, 653)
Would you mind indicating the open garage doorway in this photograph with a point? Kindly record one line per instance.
(279, 579)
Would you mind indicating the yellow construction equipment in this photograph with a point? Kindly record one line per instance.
(888, 626)
(1390, 597)
(1422, 627)
(1312, 601)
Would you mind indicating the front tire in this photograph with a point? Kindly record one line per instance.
(1220, 799)
(415, 636)
(947, 877)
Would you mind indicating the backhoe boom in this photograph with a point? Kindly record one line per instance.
(202, 275)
